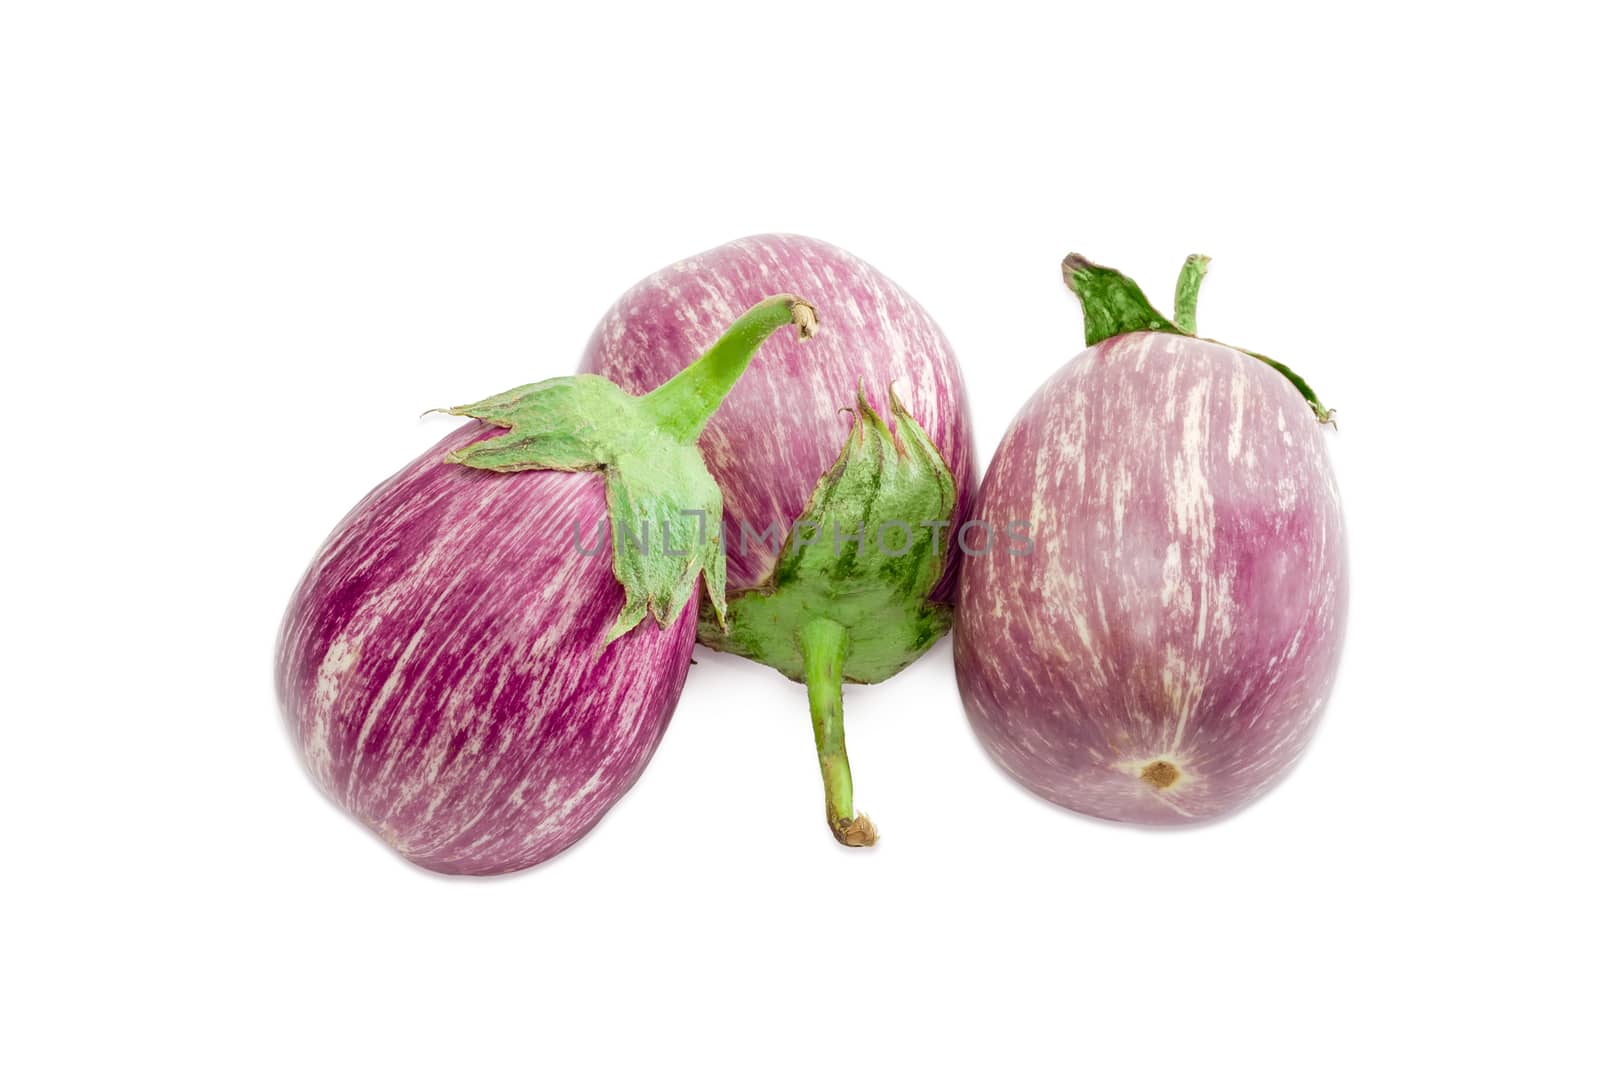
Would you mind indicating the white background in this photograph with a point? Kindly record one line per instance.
(241, 246)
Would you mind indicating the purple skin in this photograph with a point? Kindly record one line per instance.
(1164, 653)
(784, 424)
(444, 671)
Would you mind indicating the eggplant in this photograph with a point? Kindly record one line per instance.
(1161, 649)
(483, 656)
(846, 472)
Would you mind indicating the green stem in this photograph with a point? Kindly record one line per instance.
(1189, 279)
(823, 643)
(683, 404)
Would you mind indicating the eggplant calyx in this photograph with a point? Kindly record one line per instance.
(1114, 305)
(665, 509)
(849, 596)
(866, 553)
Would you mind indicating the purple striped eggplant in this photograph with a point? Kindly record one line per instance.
(1162, 648)
(466, 666)
(843, 473)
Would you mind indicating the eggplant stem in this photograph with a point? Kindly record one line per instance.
(823, 644)
(1188, 295)
(683, 404)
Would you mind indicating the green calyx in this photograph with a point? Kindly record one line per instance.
(848, 599)
(866, 553)
(665, 509)
(1113, 304)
